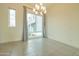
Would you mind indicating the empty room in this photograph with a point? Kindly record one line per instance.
(39, 29)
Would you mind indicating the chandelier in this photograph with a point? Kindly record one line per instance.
(39, 9)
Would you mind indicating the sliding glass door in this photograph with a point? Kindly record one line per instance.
(34, 25)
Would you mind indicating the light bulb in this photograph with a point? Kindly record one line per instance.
(45, 12)
(37, 6)
(33, 9)
(41, 13)
(43, 8)
(36, 12)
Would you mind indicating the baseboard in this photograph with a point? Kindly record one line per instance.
(9, 41)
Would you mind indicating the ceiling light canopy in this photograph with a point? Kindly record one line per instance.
(39, 8)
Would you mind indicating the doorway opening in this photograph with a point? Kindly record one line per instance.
(34, 25)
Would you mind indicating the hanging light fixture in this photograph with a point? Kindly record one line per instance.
(39, 8)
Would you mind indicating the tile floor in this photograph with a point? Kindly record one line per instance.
(37, 47)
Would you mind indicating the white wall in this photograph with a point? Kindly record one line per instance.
(62, 23)
(8, 34)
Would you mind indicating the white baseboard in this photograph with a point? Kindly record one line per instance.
(2, 42)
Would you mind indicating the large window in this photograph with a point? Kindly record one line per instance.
(12, 18)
